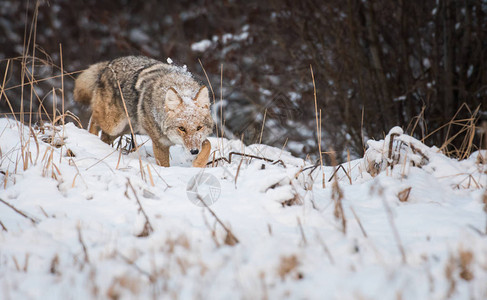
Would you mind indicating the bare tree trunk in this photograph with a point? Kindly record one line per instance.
(385, 98)
(448, 59)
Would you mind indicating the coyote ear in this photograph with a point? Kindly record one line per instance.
(202, 99)
(172, 100)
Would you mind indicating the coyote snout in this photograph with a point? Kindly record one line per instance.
(161, 100)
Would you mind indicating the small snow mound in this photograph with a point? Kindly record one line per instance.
(404, 151)
(396, 130)
(396, 148)
(282, 194)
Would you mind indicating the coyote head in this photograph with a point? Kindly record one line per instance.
(188, 121)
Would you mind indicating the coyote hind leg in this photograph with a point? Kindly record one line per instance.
(105, 137)
(94, 128)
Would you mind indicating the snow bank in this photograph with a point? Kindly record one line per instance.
(73, 227)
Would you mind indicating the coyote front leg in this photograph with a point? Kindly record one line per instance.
(161, 153)
(202, 158)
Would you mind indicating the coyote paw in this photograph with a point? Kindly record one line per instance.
(202, 158)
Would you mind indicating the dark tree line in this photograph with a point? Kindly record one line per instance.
(376, 64)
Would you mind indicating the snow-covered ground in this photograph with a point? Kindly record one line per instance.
(85, 221)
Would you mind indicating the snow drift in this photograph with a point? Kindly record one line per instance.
(80, 219)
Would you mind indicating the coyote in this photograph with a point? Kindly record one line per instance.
(146, 96)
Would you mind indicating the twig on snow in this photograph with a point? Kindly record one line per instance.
(229, 159)
(148, 229)
(395, 232)
(230, 239)
(3, 227)
(83, 246)
(33, 220)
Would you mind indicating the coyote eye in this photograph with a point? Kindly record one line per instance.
(182, 128)
(198, 128)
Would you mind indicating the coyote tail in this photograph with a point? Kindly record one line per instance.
(86, 82)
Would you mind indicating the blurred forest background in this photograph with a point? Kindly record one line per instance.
(376, 64)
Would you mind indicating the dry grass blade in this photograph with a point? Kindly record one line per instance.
(148, 229)
(390, 217)
(37, 144)
(301, 230)
(336, 170)
(238, 170)
(159, 175)
(221, 105)
(403, 195)
(358, 221)
(37, 81)
(362, 129)
(142, 173)
(150, 176)
(337, 197)
(34, 29)
(325, 248)
(33, 220)
(484, 200)
(139, 269)
(230, 238)
(101, 160)
(211, 88)
(83, 246)
(53, 269)
(212, 229)
(467, 130)
(2, 92)
(78, 173)
(318, 127)
(417, 119)
(208, 79)
(262, 127)
(3, 227)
